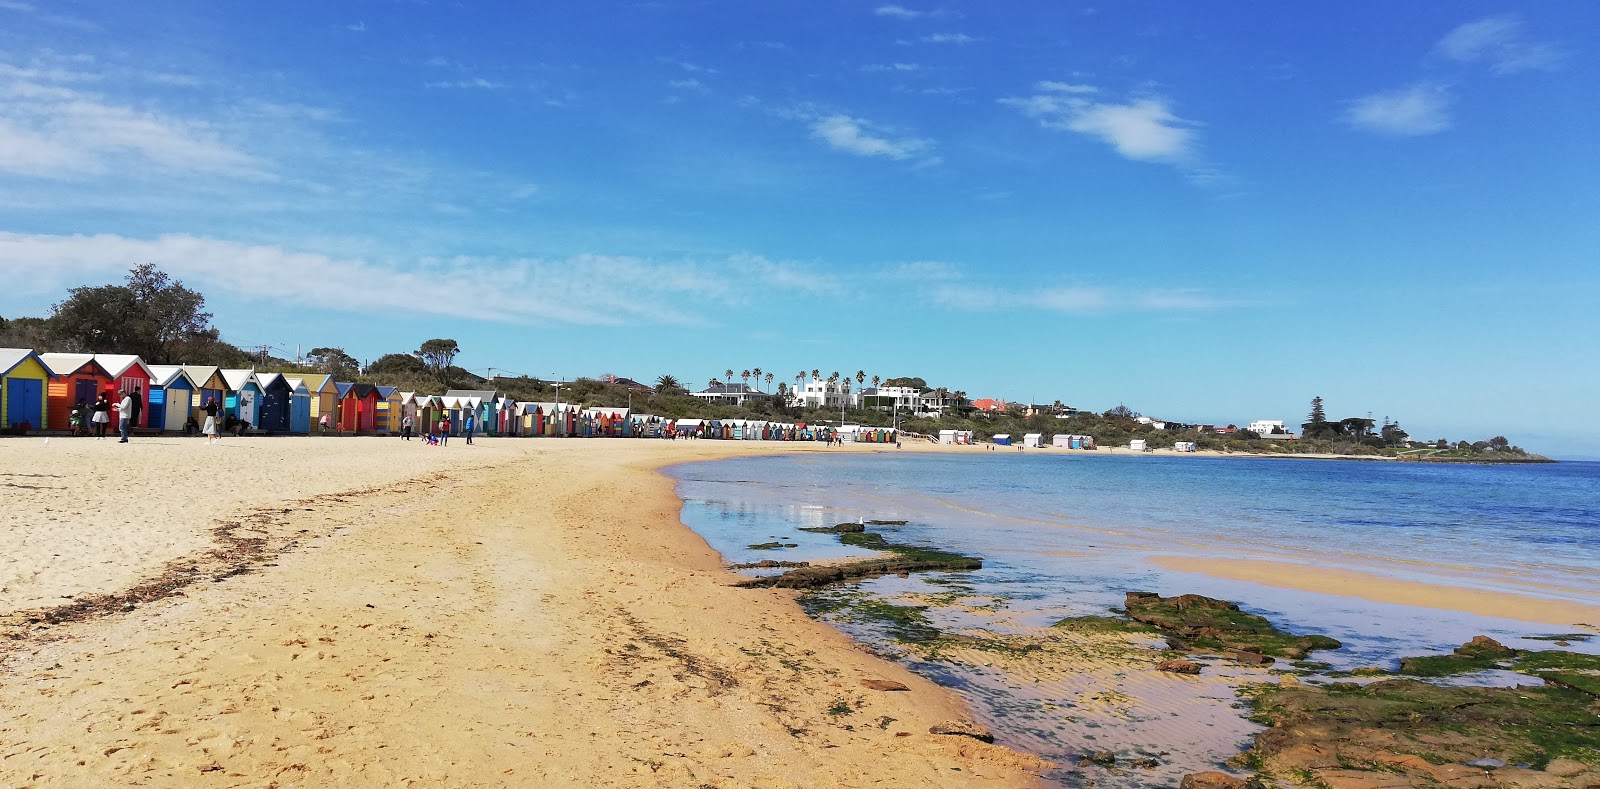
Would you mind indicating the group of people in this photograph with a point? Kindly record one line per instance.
(439, 432)
(95, 418)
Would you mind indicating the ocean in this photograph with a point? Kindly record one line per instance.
(1070, 534)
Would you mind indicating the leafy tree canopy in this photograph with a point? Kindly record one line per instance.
(151, 316)
(438, 354)
(334, 362)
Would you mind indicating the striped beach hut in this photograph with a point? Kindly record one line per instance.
(75, 378)
(277, 399)
(171, 397)
(244, 396)
(128, 374)
(24, 380)
(209, 386)
(387, 419)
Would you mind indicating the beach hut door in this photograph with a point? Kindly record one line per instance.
(23, 398)
(86, 392)
(247, 407)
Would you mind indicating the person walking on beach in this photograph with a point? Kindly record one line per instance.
(102, 415)
(466, 427)
(405, 427)
(138, 406)
(210, 428)
(124, 416)
(444, 430)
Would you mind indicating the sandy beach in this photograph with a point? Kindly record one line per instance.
(517, 613)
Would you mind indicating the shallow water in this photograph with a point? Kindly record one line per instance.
(1065, 535)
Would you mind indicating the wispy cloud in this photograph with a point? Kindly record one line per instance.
(901, 68)
(898, 12)
(13, 5)
(1413, 111)
(1502, 44)
(1071, 300)
(948, 38)
(475, 83)
(1143, 129)
(862, 138)
(692, 68)
(573, 290)
(687, 84)
(358, 27)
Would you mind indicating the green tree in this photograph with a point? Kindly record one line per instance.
(151, 316)
(438, 355)
(396, 365)
(333, 361)
(666, 385)
(1318, 416)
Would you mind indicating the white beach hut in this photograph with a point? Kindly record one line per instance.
(1139, 445)
(1033, 440)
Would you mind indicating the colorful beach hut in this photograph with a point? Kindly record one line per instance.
(277, 398)
(75, 378)
(387, 419)
(324, 397)
(358, 407)
(299, 406)
(244, 396)
(209, 385)
(171, 397)
(24, 380)
(128, 374)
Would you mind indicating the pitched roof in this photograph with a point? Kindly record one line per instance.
(164, 375)
(481, 394)
(67, 363)
(238, 378)
(268, 379)
(385, 391)
(341, 389)
(201, 373)
(11, 357)
(316, 383)
(295, 383)
(118, 364)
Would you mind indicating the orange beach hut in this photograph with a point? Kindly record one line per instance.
(74, 377)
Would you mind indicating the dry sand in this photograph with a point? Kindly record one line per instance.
(520, 613)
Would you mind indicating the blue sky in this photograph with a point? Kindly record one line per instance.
(1208, 214)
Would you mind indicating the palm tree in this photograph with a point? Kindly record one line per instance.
(756, 371)
(875, 381)
(728, 375)
(815, 374)
(861, 377)
(666, 383)
(746, 377)
(712, 384)
(769, 380)
(782, 388)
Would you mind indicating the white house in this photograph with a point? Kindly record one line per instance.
(889, 398)
(727, 394)
(1266, 427)
(818, 393)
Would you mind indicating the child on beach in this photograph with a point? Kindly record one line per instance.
(322, 424)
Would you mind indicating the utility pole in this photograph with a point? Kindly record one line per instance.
(557, 414)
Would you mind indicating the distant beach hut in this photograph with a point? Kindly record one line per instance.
(505, 417)
(1139, 445)
(387, 419)
(171, 397)
(426, 410)
(1061, 441)
(1002, 439)
(75, 377)
(1033, 440)
(604, 421)
(358, 408)
(324, 394)
(128, 374)
(688, 427)
(1185, 446)
(24, 381)
(244, 396)
(209, 385)
(277, 402)
(340, 390)
(299, 406)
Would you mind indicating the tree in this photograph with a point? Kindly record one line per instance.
(150, 316)
(667, 384)
(769, 380)
(861, 377)
(756, 371)
(1318, 416)
(396, 365)
(727, 375)
(438, 355)
(783, 388)
(875, 381)
(815, 374)
(333, 361)
(745, 376)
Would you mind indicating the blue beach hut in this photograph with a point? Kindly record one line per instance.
(273, 413)
(244, 396)
(171, 396)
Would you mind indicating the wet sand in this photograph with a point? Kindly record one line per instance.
(518, 613)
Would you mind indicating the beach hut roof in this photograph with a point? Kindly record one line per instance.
(268, 379)
(66, 363)
(480, 394)
(364, 391)
(10, 358)
(688, 423)
(317, 383)
(407, 398)
(606, 411)
(118, 364)
(164, 375)
(200, 373)
(341, 389)
(385, 391)
(236, 379)
(295, 383)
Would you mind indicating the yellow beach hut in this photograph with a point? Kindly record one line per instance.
(208, 385)
(324, 398)
(23, 384)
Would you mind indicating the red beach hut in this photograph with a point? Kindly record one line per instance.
(128, 374)
(74, 377)
(358, 408)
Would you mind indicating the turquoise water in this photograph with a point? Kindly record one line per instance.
(1065, 534)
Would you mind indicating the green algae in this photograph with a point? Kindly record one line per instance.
(1202, 624)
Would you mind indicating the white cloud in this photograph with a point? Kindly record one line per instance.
(1500, 42)
(50, 129)
(524, 192)
(1413, 111)
(1143, 129)
(856, 136)
(358, 27)
(947, 286)
(476, 83)
(12, 5)
(437, 61)
(948, 38)
(575, 290)
(892, 67)
(686, 84)
(898, 12)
